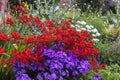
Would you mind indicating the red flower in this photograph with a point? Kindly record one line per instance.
(9, 21)
(22, 5)
(48, 23)
(15, 35)
(4, 37)
(23, 11)
(95, 51)
(94, 64)
(38, 23)
(16, 7)
(103, 66)
(30, 39)
(2, 51)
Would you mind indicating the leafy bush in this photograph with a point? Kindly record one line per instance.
(111, 34)
(110, 52)
(112, 73)
(93, 5)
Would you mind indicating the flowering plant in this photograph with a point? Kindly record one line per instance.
(82, 25)
(58, 52)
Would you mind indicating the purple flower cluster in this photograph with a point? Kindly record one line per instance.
(97, 77)
(58, 64)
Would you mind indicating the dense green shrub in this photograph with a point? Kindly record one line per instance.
(92, 5)
(111, 73)
(109, 52)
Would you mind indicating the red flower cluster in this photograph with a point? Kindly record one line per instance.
(15, 35)
(30, 39)
(103, 66)
(94, 64)
(9, 21)
(27, 20)
(20, 8)
(26, 56)
(2, 51)
(80, 43)
(38, 23)
(4, 37)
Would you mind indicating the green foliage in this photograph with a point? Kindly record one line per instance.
(90, 5)
(49, 9)
(112, 73)
(109, 52)
(112, 19)
(111, 35)
(6, 74)
(95, 20)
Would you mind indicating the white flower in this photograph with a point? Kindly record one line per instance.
(88, 27)
(98, 34)
(96, 40)
(83, 28)
(95, 30)
(72, 26)
(91, 26)
(81, 22)
(77, 25)
(94, 35)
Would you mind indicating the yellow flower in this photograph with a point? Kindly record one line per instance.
(26, 6)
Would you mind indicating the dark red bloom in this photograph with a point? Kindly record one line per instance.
(39, 23)
(15, 35)
(2, 51)
(9, 21)
(23, 11)
(49, 23)
(95, 51)
(16, 7)
(22, 5)
(4, 37)
(30, 39)
(103, 66)
(94, 64)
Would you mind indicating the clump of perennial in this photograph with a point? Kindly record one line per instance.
(59, 64)
(60, 52)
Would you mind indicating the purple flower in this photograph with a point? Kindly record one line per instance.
(39, 77)
(53, 76)
(84, 67)
(32, 66)
(23, 77)
(97, 77)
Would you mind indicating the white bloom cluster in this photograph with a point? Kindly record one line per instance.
(82, 25)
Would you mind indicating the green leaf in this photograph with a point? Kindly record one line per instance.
(57, 1)
(16, 47)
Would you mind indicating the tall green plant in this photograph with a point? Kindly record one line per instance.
(48, 9)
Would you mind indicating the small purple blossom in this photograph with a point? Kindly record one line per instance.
(97, 77)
